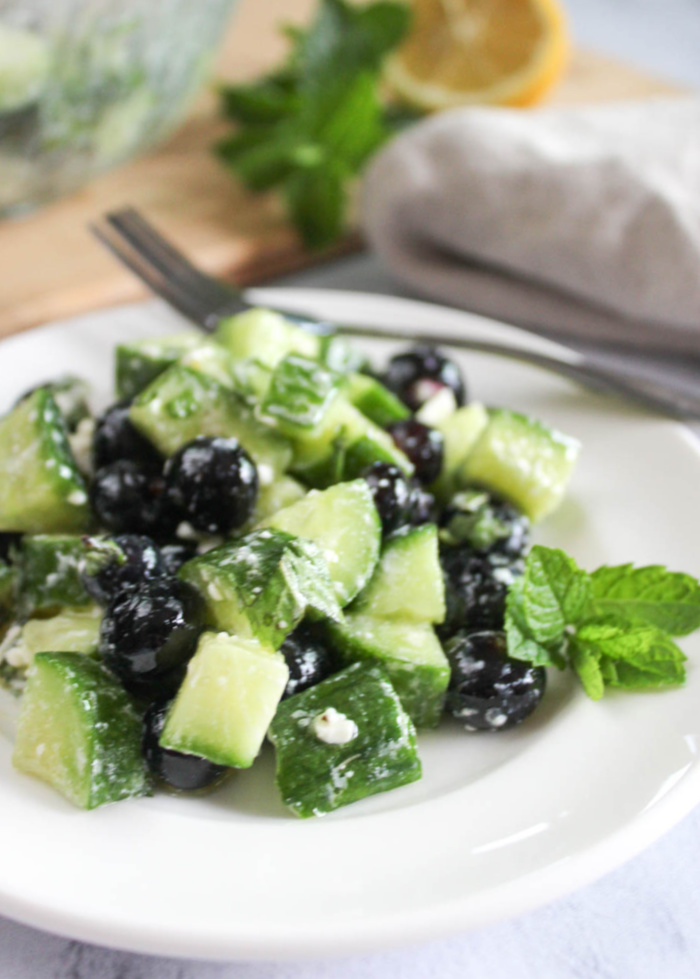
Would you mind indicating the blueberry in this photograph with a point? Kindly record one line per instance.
(488, 690)
(212, 484)
(116, 438)
(475, 590)
(425, 509)
(149, 631)
(187, 773)
(175, 555)
(394, 494)
(126, 499)
(418, 374)
(119, 563)
(308, 657)
(423, 445)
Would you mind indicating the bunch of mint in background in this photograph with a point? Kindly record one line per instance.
(614, 627)
(307, 128)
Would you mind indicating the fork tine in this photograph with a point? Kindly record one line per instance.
(181, 299)
(170, 262)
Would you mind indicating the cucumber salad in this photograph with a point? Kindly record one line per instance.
(265, 538)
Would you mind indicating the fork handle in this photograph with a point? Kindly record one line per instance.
(644, 391)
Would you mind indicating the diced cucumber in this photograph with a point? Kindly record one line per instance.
(377, 402)
(41, 488)
(283, 492)
(50, 572)
(72, 630)
(524, 461)
(343, 447)
(140, 362)
(344, 523)
(182, 404)
(407, 583)
(211, 359)
(342, 740)
(78, 731)
(71, 396)
(461, 431)
(266, 336)
(299, 396)
(340, 354)
(226, 702)
(408, 651)
(262, 585)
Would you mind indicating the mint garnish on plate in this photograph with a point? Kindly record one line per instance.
(614, 627)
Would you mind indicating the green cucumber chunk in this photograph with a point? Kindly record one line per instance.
(72, 630)
(266, 336)
(262, 585)
(375, 401)
(78, 731)
(408, 651)
(342, 740)
(227, 700)
(299, 395)
(524, 461)
(283, 492)
(340, 354)
(407, 583)
(41, 488)
(343, 447)
(182, 404)
(344, 523)
(49, 567)
(461, 431)
(140, 362)
(71, 396)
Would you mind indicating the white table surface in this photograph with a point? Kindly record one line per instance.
(640, 922)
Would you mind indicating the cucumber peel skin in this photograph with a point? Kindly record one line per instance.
(49, 572)
(299, 395)
(409, 652)
(79, 732)
(407, 583)
(41, 487)
(227, 700)
(183, 403)
(265, 335)
(523, 460)
(374, 400)
(315, 777)
(344, 523)
(139, 363)
(262, 585)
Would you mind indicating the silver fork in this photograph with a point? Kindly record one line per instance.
(205, 300)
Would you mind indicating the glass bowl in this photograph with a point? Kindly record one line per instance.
(87, 84)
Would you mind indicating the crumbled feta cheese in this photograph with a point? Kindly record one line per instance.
(438, 407)
(77, 497)
(333, 727)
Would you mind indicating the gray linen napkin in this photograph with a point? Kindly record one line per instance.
(582, 221)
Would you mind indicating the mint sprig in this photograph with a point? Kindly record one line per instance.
(307, 128)
(613, 627)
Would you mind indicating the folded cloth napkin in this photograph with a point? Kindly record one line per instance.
(580, 221)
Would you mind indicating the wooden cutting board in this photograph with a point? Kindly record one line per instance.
(52, 267)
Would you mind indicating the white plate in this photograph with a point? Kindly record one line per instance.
(498, 825)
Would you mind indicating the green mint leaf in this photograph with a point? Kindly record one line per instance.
(345, 39)
(630, 655)
(316, 200)
(265, 102)
(349, 123)
(587, 667)
(522, 644)
(666, 599)
(555, 593)
(262, 159)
